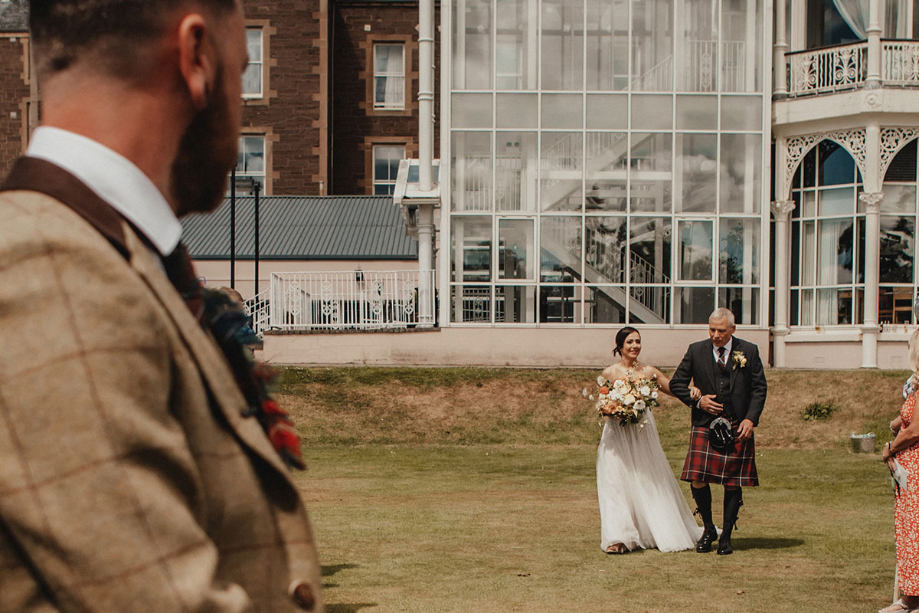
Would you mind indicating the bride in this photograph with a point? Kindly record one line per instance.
(641, 505)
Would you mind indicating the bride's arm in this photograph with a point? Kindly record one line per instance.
(664, 383)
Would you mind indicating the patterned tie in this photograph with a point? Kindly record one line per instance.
(721, 363)
(216, 312)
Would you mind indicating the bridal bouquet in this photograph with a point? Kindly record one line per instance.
(627, 399)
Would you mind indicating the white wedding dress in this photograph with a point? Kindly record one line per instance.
(641, 504)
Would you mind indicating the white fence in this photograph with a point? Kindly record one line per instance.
(363, 300)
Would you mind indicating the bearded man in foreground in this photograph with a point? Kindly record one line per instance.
(136, 473)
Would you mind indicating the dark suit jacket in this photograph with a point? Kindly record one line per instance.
(748, 384)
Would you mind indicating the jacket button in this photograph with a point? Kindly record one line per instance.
(302, 594)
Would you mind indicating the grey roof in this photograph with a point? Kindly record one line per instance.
(14, 15)
(303, 228)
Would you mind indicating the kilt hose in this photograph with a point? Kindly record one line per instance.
(736, 468)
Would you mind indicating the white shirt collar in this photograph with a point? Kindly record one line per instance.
(727, 349)
(115, 179)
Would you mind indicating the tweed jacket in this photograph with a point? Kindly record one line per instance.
(748, 382)
(130, 480)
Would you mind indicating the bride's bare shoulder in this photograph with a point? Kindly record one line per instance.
(610, 372)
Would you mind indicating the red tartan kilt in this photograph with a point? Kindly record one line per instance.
(735, 468)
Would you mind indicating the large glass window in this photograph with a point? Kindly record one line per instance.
(472, 44)
(562, 45)
(828, 234)
(515, 53)
(471, 165)
(607, 163)
(471, 260)
(697, 55)
(607, 45)
(898, 243)
(561, 171)
(652, 45)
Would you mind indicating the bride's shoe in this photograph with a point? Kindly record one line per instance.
(617, 548)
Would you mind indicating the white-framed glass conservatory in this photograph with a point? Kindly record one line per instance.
(607, 161)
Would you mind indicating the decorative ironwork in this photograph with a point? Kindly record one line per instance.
(827, 70)
(872, 200)
(900, 63)
(892, 140)
(853, 141)
(329, 305)
(782, 208)
(348, 300)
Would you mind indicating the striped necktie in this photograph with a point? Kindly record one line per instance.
(721, 362)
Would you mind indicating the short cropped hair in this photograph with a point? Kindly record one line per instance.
(722, 313)
(63, 31)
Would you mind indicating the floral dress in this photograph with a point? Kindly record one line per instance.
(906, 511)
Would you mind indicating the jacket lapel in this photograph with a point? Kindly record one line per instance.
(32, 174)
(211, 363)
(735, 369)
(708, 364)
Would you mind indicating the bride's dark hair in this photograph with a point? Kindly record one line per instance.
(620, 338)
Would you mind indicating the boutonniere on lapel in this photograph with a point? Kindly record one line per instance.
(739, 359)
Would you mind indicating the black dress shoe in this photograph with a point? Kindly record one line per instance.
(704, 544)
(724, 544)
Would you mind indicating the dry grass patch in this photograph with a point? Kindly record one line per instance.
(511, 406)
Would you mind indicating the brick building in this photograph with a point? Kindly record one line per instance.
(15, 82)
(330, 102)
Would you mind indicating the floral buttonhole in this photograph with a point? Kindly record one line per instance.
(739, 359)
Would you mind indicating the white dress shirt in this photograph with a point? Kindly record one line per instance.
(115, 179)
(727, 350)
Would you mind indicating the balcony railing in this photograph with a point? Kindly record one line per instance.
(831, 69)
(361, 300)
(900, 62)
(843, 67)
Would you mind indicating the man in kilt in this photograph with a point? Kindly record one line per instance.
(729, 372)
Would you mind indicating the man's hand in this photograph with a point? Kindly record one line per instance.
(745, 430)
(709, 405)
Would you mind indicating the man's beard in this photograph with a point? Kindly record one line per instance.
(199, 173)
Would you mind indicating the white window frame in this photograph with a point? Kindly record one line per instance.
(261, 175)
(258, 63)
(394, 105)
(389, 182)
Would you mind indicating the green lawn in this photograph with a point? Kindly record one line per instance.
(504, 517)
(486, 528)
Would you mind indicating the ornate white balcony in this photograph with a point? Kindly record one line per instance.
(845, 67)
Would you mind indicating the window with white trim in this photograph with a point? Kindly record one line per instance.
(253, 78)
(389, 76)
(250, 161)
(385, 168)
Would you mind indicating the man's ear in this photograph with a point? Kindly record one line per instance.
(197, 58)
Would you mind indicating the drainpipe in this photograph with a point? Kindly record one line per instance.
(426, 94)
(425, 214)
